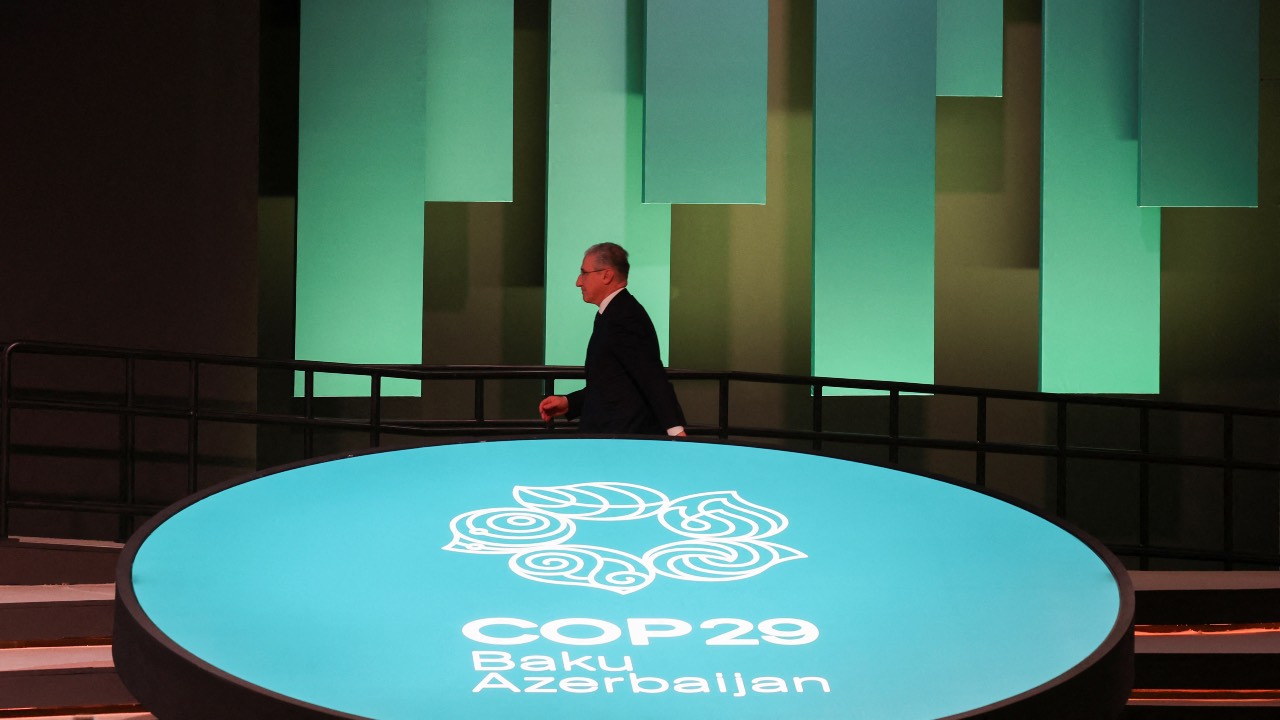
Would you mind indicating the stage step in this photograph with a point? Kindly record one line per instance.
(42, 680)
(1206, 597)
(55, 646)
(46, 561)
(96, 712)
(54, 615)
(1201, 709)
(1242, 658)
(1207, 645)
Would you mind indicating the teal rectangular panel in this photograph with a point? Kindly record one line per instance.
(361, 106)
(706, 91)
(873, 189)
(594, 170)
(469, 47)
(1099, 251)
(971, 48)
(1198, 141)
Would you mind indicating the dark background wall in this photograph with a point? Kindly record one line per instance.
(148, 167)
(129, 173)
(128, 217)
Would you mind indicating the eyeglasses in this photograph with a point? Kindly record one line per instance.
(582, 272)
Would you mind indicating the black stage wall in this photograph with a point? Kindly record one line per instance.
(128, 172)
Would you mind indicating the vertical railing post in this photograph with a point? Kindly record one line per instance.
(479, 400)
(5, 419)
(894, 420)
(1061, 445)
(980, 459)
(309, 410)
(375, 410)
(124, 522)
(193, 426)
(724, 407)
(817, 417)
(1228, 488)
(549, 389)
(1144, 487)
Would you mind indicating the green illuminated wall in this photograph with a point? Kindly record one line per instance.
(1198, 143)
(469, 53)
(970, 48)
(391, 95)
(595, 169)
(863, 201)
(705, 67)
(1099, 251)
(362, 106)
(873, 189)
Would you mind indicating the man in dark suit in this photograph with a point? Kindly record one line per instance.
(627, 388)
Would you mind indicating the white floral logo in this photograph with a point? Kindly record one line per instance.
(721, 536)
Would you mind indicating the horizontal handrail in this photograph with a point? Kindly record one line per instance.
(572, 372)
(303, 415)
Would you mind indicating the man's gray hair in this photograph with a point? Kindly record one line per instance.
(611, 255)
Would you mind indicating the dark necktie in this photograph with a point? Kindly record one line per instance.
(596, 330)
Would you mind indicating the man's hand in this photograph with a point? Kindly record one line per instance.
(553, 406)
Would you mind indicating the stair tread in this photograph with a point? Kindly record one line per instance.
(81, 716)
(65, 542)
(1205, 580)
(1261, 643)
(28, 594)
(55, 658)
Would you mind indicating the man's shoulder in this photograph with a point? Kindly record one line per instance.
(619, 304)
(629, 321)
(625, 305)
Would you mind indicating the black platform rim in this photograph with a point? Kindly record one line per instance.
(1109, 666)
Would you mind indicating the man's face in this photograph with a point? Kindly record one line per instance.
(594, 279)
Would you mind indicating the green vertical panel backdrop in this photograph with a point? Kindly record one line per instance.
(706, 85)
(1099, 251)
(1199, 103)
(360, 178)
(594, 170)
(971, 48)
(873, 189)
(469, 73)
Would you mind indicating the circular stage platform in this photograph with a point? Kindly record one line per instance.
(616, 578)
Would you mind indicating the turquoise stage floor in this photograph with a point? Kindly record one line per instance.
(625, 579)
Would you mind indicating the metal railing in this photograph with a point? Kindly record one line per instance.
(302, 415)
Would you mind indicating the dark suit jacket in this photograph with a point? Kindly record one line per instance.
(627, 388)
